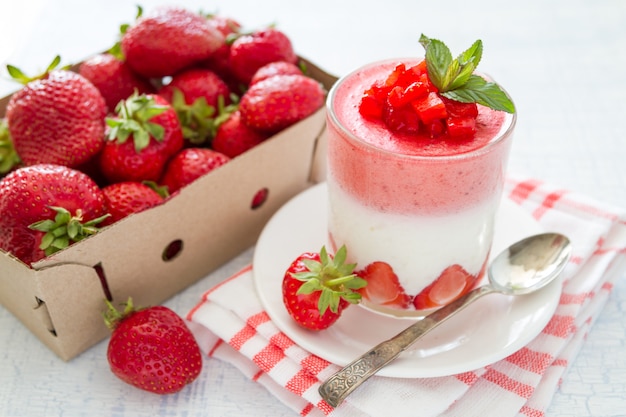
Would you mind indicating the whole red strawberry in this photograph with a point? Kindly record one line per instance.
(125, 198)
(248, 53)
(317, 287)
(122, 162)
(219, 61)
(152, 349)
(233, 137)
(225, 24)
(45, 208)
(189, 165)
(199, 97)
(275, 68)
(277, 102)
(196, 83)
(57, 118)
(167, 40)
(141, 139)
(113, 78)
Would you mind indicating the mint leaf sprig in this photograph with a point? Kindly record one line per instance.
(455, 78)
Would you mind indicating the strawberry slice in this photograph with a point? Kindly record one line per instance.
(453, 282)
(383, 287)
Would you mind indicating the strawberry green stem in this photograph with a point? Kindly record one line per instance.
(335, 282)
(133, 118)
(112, 316)
(8, 156)
(19, 76)
(64, 229)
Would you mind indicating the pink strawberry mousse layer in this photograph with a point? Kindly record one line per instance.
(415, 183)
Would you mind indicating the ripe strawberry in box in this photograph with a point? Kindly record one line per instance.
(278, 102)
(45, 207)
(141, 139)
(189, 165)
(233, 137)
(125, 198)
(219, 61)
(56, 118)
(115, 80)
(250, 52)
(199, 96)
(168, 40)
(197, 83)
(275, 68)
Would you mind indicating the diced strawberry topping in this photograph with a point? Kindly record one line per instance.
(383, 287)
(458, 109)
(401, 119)
(400, 96)
(416, 90)
(392, 79)
(371, 107)
(436, 128)
(430, 108)
(396, 97)
(415, 73)
(407, 102)
(460, 127)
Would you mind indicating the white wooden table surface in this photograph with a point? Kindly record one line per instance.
(562, 61)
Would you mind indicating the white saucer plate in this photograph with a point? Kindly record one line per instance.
(487, 331)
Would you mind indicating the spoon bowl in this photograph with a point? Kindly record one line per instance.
(530, 264)
(522, 268)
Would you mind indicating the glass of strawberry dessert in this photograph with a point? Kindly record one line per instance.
(417, 153)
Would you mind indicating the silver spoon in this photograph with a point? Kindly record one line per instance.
(524, 267)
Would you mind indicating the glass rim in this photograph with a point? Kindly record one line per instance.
(505, 131)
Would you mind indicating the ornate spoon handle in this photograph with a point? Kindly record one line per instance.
(336, 388)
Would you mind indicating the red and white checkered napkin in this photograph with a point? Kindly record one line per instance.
(231, 325)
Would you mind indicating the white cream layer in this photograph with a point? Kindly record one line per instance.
(418, 248)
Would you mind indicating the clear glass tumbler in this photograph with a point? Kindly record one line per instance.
(420, 221)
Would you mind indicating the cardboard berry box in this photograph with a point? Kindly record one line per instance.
(154, 254)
